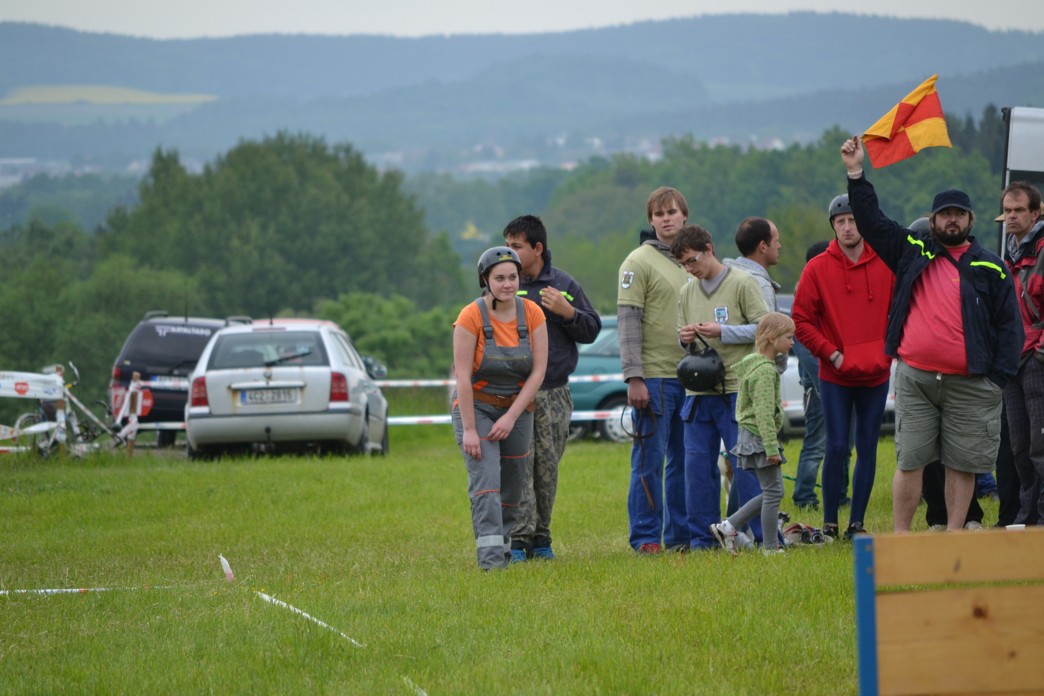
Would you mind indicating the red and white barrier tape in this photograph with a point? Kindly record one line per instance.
(581, 416)
(575, 379)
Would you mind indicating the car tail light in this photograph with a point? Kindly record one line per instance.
(338, 387)
(199, 392)
(116, 373)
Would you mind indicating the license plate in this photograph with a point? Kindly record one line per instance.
(163, 382)
(267, 396)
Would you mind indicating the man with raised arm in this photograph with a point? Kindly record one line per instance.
(954, 325)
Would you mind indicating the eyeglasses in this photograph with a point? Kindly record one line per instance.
(692, 261)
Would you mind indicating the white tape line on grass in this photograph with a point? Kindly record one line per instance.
(82, 590)
(281, 603)
(227, 569)
(230, 576)
(413, 687)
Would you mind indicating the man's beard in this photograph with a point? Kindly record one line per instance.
(951, 237)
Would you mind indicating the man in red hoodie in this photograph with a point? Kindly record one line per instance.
(841, 314)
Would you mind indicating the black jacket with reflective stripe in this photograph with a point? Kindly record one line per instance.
(993, 333)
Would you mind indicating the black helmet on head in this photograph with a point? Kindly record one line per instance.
(701, 370)
(838, 206)
(921, 224)
(491, 257)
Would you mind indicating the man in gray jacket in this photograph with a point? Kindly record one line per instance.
(758, 241)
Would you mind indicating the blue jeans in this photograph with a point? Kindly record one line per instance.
(985, 484)
(709, 421)
(839, 402)
(656, 498)
(813, 447)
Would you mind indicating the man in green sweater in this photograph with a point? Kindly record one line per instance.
(723, 307)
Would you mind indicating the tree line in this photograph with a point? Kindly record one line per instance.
(290, 225)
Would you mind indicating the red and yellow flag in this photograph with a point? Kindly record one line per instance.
(914, 123)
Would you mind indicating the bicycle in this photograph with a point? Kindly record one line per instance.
(60, 420)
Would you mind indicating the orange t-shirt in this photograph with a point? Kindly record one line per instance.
(504, 333)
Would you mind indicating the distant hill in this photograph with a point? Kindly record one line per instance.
(438, 102)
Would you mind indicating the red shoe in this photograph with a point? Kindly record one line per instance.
(650, 549)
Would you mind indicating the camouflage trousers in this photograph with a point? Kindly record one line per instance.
(554, 410)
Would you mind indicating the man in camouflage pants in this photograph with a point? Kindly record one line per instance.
(570, 320)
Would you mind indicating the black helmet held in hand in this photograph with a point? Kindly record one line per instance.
(491, 257)
(701, 370)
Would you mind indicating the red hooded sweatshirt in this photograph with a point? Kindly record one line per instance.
(840, 305)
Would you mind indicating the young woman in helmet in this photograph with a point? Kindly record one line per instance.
(760, 417)
(499, 359)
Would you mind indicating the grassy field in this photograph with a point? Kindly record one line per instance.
(381, 550)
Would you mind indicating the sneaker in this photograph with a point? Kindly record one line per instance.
(772, 552)
(650, 549)
(544, 552)
(830, 530)
(726, 539)
(855, 529)
(517, 556)
(744, 541)
(937, 528)
(678, 548)
(973, 525)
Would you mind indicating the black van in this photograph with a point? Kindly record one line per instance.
(164, 350)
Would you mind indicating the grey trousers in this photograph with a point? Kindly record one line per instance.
(767, 504)
(1024, 402)
(495, 481)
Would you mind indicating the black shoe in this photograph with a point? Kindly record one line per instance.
(854, 529)
(830, 530)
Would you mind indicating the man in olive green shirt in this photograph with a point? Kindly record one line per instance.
(647, 303)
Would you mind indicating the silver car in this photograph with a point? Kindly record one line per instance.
(285, 385)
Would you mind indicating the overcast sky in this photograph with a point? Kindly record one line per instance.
(194, 18)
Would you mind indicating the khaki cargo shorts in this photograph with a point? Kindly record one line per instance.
(949, 418)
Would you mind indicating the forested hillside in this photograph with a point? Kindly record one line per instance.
(498, 102)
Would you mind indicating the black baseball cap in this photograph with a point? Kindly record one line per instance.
(951, 198)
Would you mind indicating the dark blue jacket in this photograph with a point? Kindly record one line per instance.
(990, 311)
(562, 335)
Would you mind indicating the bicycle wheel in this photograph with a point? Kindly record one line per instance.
(37, 439)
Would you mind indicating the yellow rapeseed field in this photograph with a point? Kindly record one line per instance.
(96, 94)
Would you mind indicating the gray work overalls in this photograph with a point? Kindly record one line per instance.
(495, 482)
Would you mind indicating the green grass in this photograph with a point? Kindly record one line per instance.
(381, 549)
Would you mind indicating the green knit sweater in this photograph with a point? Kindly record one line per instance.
(759, 406)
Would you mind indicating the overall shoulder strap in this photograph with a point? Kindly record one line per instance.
(520, 318)
(487, 327)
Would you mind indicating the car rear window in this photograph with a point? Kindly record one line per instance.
(268, 347)
(167, 345)
(606, 345)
